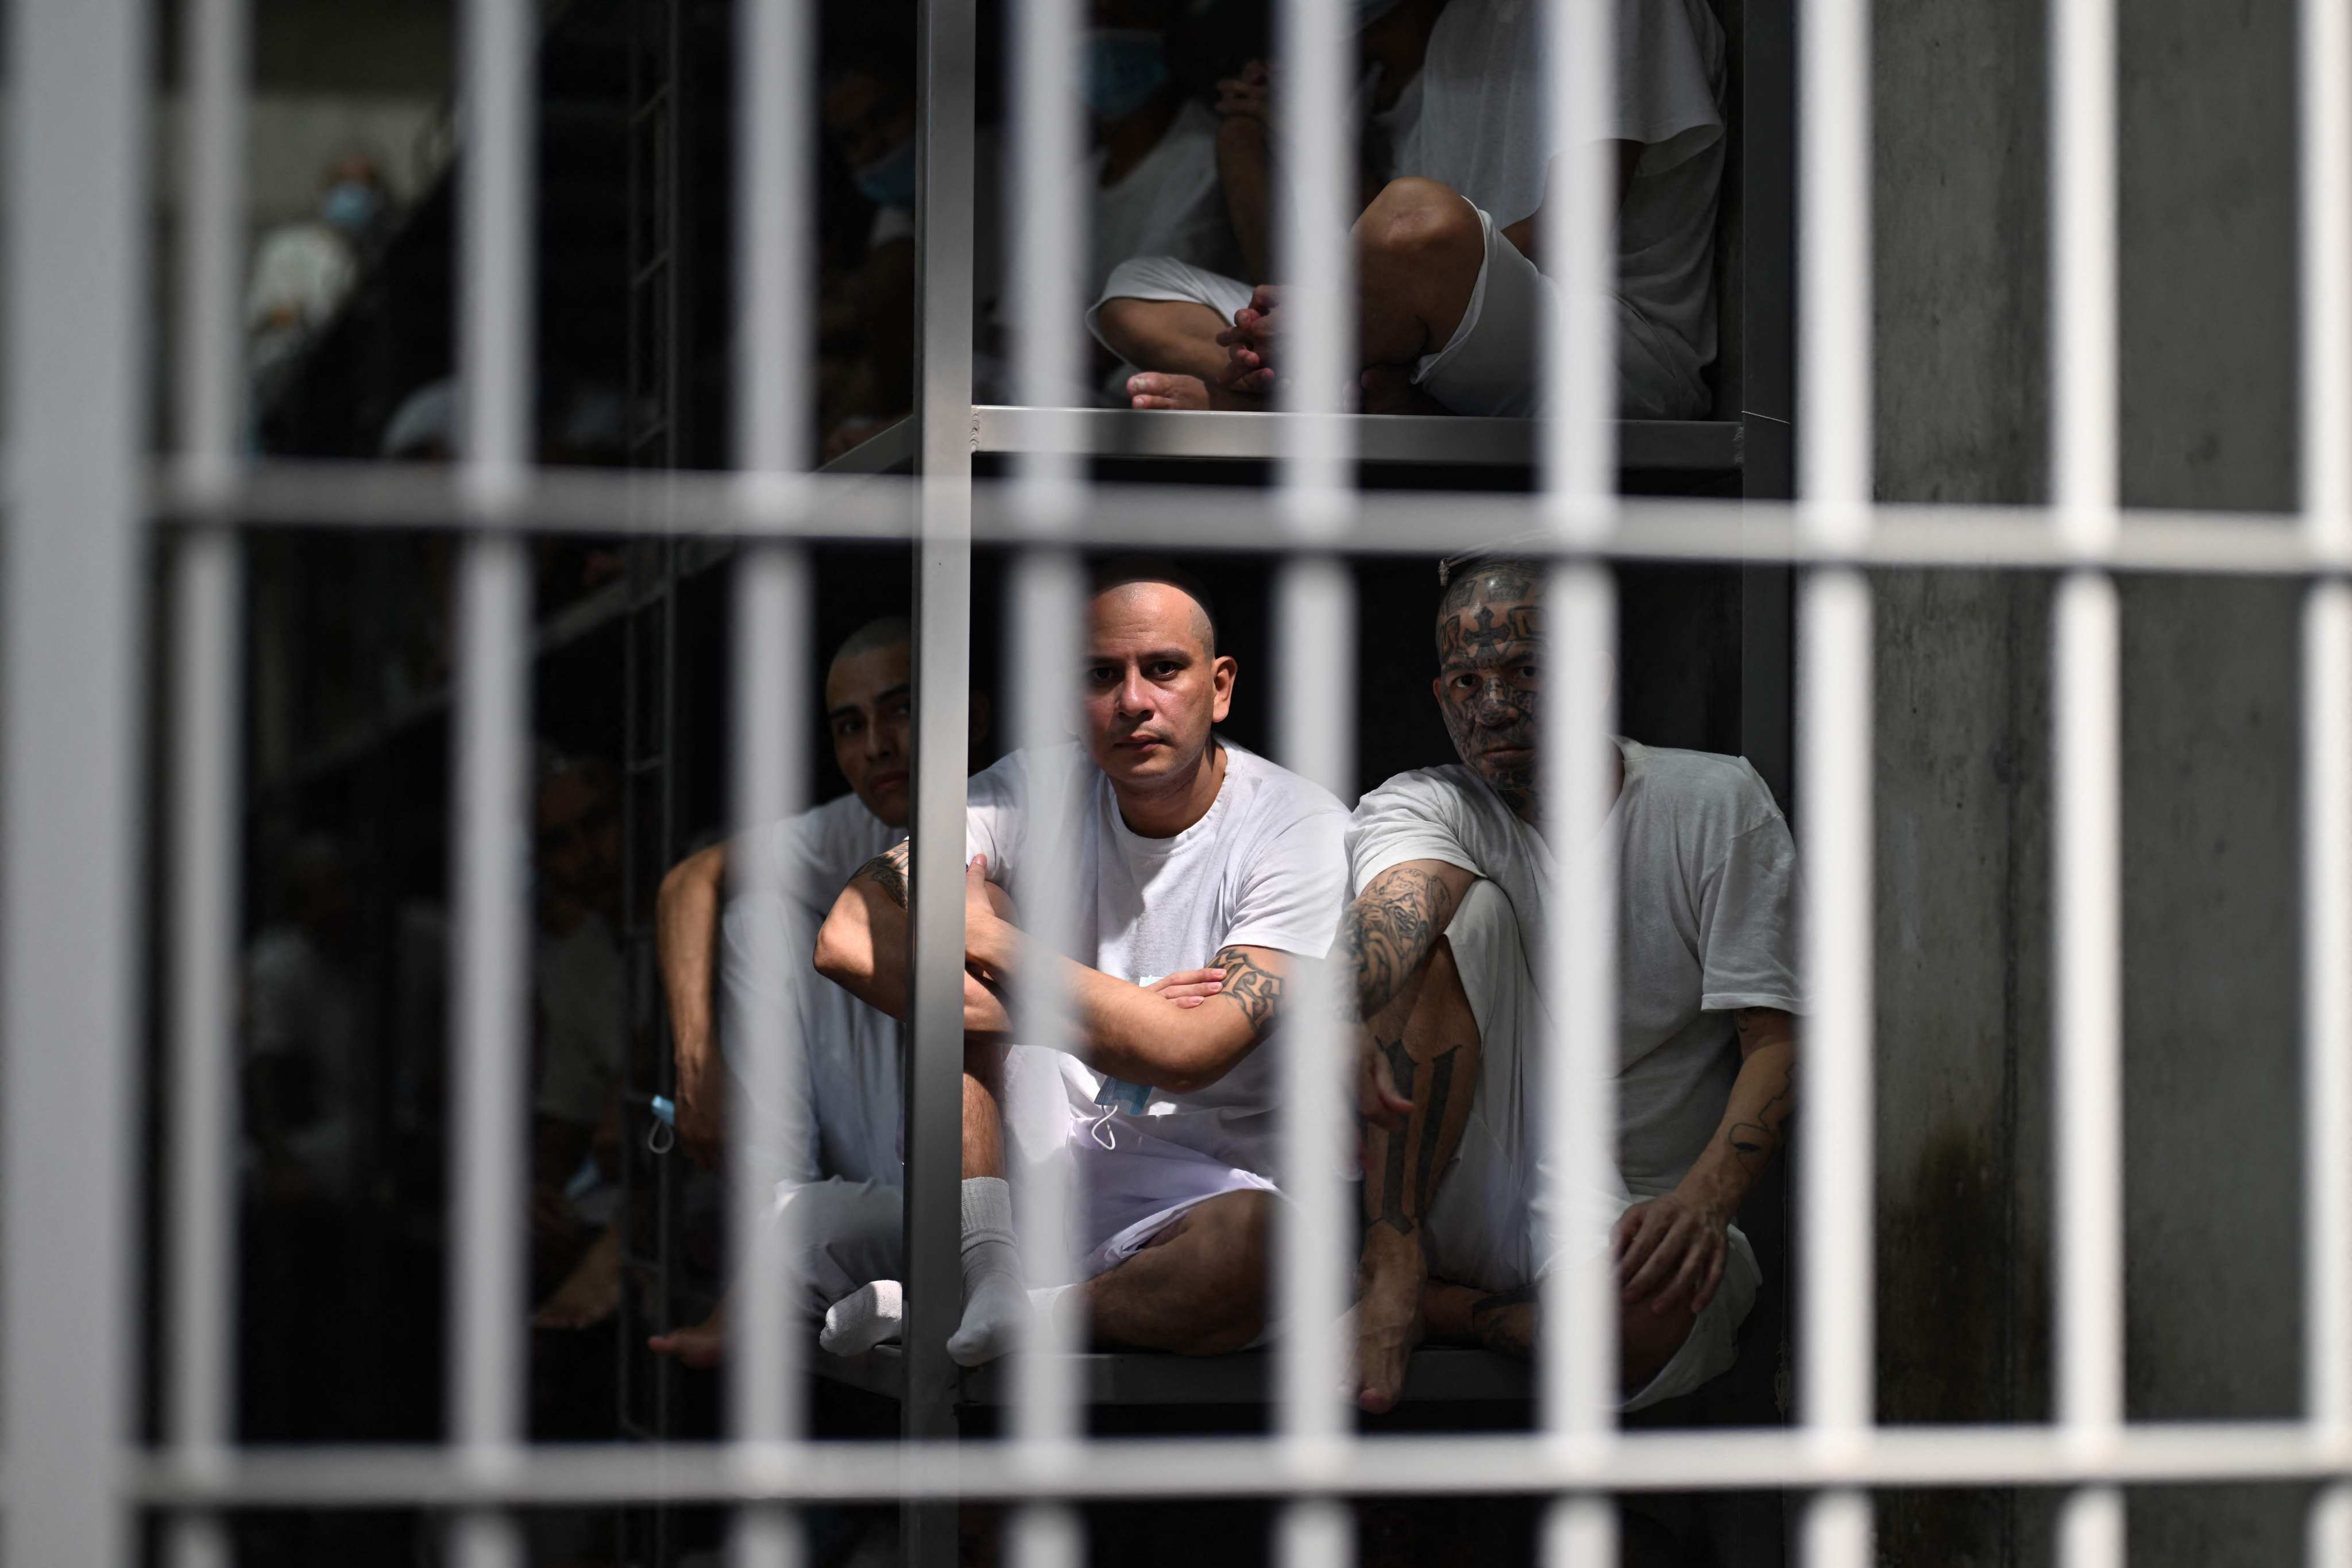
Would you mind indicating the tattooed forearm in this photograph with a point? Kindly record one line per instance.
(887, 871)
(1249, 986)
(1387, 933)
(1754, 1140)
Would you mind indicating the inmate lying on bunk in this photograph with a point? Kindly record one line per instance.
(1186, 853)
(1452, 279)
(1452, 879)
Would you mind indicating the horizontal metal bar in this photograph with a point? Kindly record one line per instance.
(880, 508)
(1484, 1465)
(1663, 444)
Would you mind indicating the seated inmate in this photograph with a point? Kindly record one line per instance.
(1188, 852)
(1449, 264)
(843, 1109)
(1452, 881)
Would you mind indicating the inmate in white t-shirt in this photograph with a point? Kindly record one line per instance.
(1481, 129)
(1170, 203)
(1706, 921)
(848, 1119)
(1266, 867)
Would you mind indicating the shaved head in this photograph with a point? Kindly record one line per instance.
(1494, 579)
(884, 631)
(1134, 569)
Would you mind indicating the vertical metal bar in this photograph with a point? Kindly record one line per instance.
(2324, 101)
(1314, 717)
(493, 719)
(207, 718)
(1837, 1171)
(70, 816)
(1579, 231)
(208, 726)
(491, 1000)
(772, 719)
(1049, 617)
(2328, 1044)
(1578, 1354)
(1835, 691)
(2089, 1233)
(1316, 138)
(945, 49)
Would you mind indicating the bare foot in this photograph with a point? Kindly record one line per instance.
(591, 1293)
(1389, 389)
(1388, 1321)
(1159, 389)
(701, 1345)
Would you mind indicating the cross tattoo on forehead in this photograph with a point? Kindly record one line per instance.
(1485, 638)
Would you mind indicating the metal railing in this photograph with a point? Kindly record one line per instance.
(80, 523)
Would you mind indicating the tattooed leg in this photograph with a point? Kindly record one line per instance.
(1431, 1039)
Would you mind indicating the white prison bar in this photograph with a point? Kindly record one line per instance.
(2184, 1453)
(1576, 1345)
(70, 971)
(207, 720)
(490, 1023)
(331, 495)
(1580, 239)
(2324, 104)
(2083, 269)
(2328, 1042)
(1314, 705)
(1048, 629)
(775, 74)
(1577, 1351)
(1315, 257)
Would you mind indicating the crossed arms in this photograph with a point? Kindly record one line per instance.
(1125, 1031)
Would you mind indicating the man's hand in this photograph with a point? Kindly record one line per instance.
(1188, 988)
(1376, 1099)
(701, 1111)
(1249, 343)
(1669, 1253)
(1249, 96)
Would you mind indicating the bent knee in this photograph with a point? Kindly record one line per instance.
(1647, 1341)
(1420, 221)
(1241, 1226)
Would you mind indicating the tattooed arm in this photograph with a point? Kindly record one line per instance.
(1128, 1032)
(1387, 933)
(862, 946)
(1671, 1250)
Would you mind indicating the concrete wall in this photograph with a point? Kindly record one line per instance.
(2211, 966)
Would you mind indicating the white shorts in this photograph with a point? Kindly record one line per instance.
(1165, 277)
(1493, 363)
(1488, 1221)
(846, 1234)
(1128, 1183)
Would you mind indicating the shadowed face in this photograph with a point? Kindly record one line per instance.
(869, 703)
(580, 837)
(1153, 685)
(1490, 675)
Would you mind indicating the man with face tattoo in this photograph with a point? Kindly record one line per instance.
(1450, 875)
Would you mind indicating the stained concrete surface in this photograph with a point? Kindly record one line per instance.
(2211, 1115)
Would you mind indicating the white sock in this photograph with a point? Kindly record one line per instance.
(866, 1316)
(995, 1307)
(1046, 1301)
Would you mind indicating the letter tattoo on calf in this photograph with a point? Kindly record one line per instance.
(1432, 1122)
(887, 871)
(1249, 986)
(1501, 1327)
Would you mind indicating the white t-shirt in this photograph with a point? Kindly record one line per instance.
(302, 1008)
(1170, 203)
(1266, 867)
(1706, 921)
(1481, 129)
(583, 1013)
(848, 1119)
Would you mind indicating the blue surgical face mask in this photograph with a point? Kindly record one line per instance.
(351, 205)
(1124, 67)
(890, 179)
